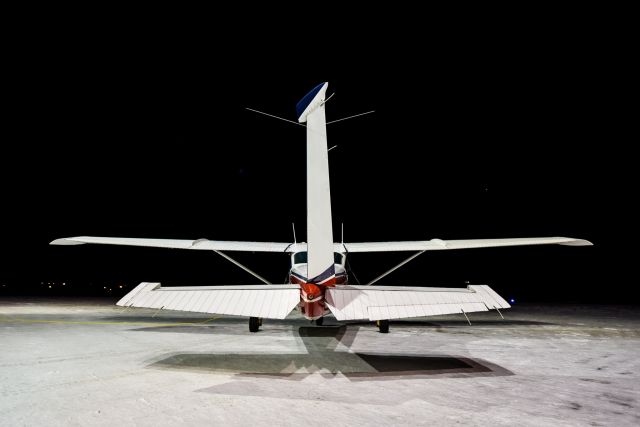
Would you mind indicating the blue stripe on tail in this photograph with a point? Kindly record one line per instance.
(304, 102)
(331, 271)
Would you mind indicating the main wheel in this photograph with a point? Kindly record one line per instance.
(254, 324)
(319, 321)
(383, 326)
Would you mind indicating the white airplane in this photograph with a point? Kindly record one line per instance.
(318, 277)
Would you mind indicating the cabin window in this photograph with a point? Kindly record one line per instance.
(300, 258)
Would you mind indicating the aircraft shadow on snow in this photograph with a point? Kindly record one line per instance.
(328, 355)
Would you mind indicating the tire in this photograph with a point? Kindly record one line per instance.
(319, 321)
(383, 326)
(254, 324)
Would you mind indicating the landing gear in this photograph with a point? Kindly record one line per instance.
(254, 324)
(319, 321)
(383, 326)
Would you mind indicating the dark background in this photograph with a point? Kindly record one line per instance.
(482, 134)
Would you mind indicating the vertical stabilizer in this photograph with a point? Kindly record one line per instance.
(319, 230)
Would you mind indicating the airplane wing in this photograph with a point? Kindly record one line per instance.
(266, 301)
(200, 244)
(395, 302)
(219, 245)
(437, 244)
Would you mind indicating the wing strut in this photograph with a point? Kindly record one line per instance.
(251, 272)
(386, 273)
(466, 317)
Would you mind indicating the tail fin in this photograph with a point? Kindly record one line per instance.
(319, 229)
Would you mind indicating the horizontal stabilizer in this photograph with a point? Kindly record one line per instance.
(395, 302)
(267, 301)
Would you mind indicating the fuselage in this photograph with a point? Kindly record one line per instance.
(312, 295)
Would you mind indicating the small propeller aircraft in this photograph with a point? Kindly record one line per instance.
(318, 280)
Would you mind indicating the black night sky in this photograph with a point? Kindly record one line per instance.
(513, 135)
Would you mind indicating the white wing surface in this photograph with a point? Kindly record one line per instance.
(266, 301)
(228, 245)
(438, 245)
(395, 302)
(200, 244)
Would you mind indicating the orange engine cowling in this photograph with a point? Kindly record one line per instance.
(312, 304)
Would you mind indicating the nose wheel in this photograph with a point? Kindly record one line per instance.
(383, 326)
(254, 324)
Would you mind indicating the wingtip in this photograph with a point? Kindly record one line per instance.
(65, 241)
(578, 242)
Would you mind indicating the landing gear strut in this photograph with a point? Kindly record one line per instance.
(254, 324)
(383, 326)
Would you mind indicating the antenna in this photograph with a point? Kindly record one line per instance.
(275, 117)
(330, 96)
(344, 118)
(293, 226)
(342, 233)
